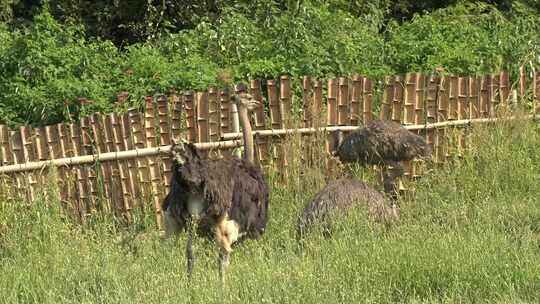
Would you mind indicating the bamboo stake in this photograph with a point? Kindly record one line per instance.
(29, 156)
(127, 138)
(235, 122)
(224, 103)
(153, 165)
(343, 103)
(261, 146)
(536, 92)
(367, 100)
(214, 115)
(165, 161)
(125, 196)
(83, 199)
(275, 114)
(332, 114)
(443, 109)
(176, 117)
(474, 97)
(494, 99)
(409, 99)
(397, 100)
(88, 149)
(356, 103)
(203, 112)
(388, 96)
(504, 88)
(165, 136)
(463, 111)
(273, 101)
(191, 116)
(65, 174)
(116, 194)
(453, 98)
(307, 99)
(16, 144)
(431, 108)
(285, 98)
(103, 169)
(419, 99)
(139, 142)
(318, 104)
(462, 89)
(285, 101)
(484, 97)
(5, 151)
(522, 82)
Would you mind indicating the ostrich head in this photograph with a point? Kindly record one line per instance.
(243, 99)
(187, 162)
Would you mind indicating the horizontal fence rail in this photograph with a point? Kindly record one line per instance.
(119, 162)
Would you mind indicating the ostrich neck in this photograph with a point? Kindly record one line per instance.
(247, 134)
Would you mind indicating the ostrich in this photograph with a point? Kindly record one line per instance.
(383, 143)
(338, 198)
(226, 199)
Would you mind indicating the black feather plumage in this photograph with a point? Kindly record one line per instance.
(228, 186)
(381, 141)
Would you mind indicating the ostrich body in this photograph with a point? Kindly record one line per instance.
(227, 199)
(382, 143)
(338, 198)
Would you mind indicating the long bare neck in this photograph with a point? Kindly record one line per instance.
(249, 153)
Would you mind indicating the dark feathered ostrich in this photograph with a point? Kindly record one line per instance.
(383, 143)
(226, 199)
(338, 198)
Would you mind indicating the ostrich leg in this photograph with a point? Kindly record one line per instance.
(390, 178)
(224, 261)
(189, 248)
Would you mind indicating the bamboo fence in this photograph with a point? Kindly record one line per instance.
(119, 162)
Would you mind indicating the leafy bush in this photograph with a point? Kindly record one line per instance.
(471, 38)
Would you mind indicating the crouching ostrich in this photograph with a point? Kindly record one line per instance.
(383, 143)
(338, 198)
(226, 199)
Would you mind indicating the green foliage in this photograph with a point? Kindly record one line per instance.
(472, 38)
(47, 67)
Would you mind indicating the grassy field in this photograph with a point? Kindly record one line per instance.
(471, 234)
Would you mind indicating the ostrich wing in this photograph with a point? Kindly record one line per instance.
(250, 200)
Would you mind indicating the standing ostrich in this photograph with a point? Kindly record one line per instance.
(226, 199)
(338, 198)
(383, 143)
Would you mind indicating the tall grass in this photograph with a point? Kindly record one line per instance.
(471, 234)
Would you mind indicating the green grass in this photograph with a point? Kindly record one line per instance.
(470, 235)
